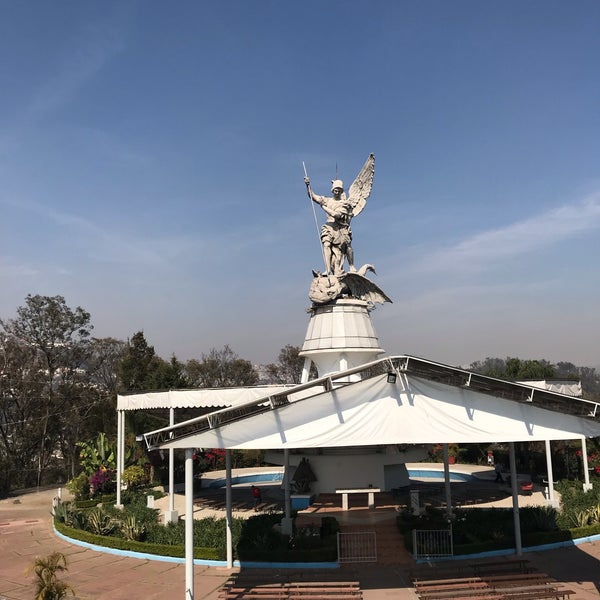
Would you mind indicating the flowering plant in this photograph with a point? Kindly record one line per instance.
(102, 481)
(594, 462)
(437, 452)
(214, 459)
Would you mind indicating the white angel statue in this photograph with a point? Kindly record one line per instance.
(336, 235)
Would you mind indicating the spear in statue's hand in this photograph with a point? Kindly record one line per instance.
(310, 195)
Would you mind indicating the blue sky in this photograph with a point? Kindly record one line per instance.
(151, 168)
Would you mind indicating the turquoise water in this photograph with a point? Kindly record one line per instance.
(430, 474)
(250, 478)
(277, 477)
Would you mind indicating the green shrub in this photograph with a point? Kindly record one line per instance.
(132, 529)
(329, 526)
(82, 504)
(256, 538)
(65, 512)
(132, 546)
(172, 534)
(538, 518)
(140, 495)
(100, 522)
(80, 487)
(576, 504)
(134, 476)
(482, 529)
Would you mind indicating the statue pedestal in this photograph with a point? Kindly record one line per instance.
(340, 336)
(171, 516)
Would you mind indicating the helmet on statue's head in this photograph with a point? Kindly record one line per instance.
(337, 184)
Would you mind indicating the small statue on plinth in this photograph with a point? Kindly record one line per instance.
(303, 477)
(336, 240)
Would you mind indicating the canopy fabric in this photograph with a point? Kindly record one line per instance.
(212, 397)
(569, 388)
(412, 410)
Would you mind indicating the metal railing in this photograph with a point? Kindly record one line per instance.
(357, 547)
(432, 543)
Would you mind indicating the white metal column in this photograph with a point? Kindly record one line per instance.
(587, 486)
(287, 523)
(447, 481)
(549, 470)
(171, 465)
(228, 509)
(514, 484)
(287, 484)
(120, 452)
(189, 524)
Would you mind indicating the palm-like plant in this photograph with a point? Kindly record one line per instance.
(48, 586)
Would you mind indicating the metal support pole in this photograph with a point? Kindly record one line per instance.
(189, 524)
(171, 465)
(228, 509)
(447, 481)
(120, 436)
(515, 496)
(287, 484)
(550, 473)
(587, 486)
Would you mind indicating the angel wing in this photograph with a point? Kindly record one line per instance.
(360, 190)
(362, 288)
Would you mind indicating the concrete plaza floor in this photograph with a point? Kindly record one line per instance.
(26, 533)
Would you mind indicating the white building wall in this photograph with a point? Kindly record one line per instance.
(384, 469)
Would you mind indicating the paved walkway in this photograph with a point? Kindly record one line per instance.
(26, 533)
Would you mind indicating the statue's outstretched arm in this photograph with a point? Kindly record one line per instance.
(314, 197)
(311, 194)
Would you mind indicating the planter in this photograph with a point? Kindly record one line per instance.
(300, 501)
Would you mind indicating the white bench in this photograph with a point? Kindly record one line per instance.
(370, 498)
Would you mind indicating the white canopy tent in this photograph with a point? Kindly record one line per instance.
(396, 400)
(199, 398)
(372, 412)
(173, 399)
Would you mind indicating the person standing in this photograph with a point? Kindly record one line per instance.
(498, 469)
(257, 496)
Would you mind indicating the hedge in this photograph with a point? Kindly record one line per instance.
(131, 546)
(539, 538)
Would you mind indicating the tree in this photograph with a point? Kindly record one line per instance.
(136, 364)
(104, 360)
(48, 586)
(140, 369)
(22, 390)
(492, 367)
(59, 336)
(514, 368)
(289, 366)
(221, 368)
(167, 375)
(528, 369)
(47, 324)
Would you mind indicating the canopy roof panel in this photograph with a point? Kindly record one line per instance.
(428, 403)
(199, 398)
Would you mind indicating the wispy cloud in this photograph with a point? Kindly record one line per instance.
(14, 268)
(519, 238)
(108, 245)
(87, 53)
